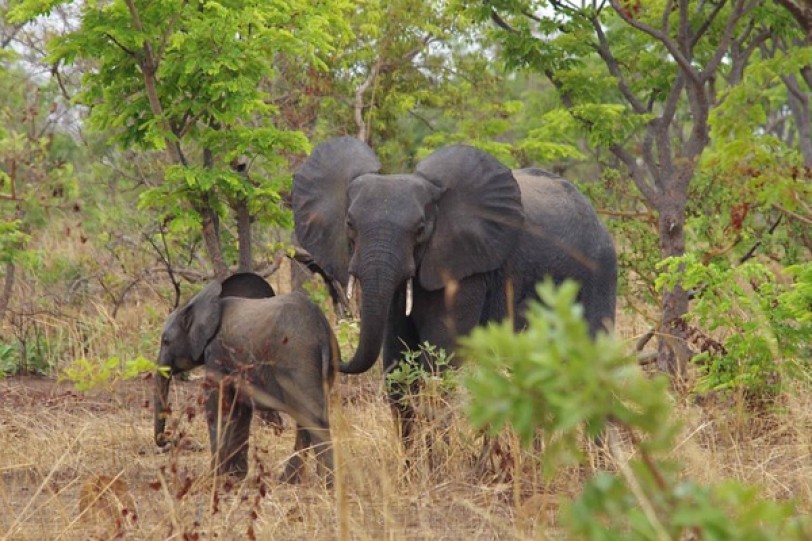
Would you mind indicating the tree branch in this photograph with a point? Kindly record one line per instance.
(638, 177)
(707, 23)
(614, 68)
(500, 22)
(8, 39)
(683, 62)
(740, 8)
(363, 128)
(120, 45)
(148, 69)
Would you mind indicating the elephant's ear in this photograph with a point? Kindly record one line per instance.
(247, 285)
(320, 200)
(200, 318)
(479, 216)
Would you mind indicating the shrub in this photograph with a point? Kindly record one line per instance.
(555, 379)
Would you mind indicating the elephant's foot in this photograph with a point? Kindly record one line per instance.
(326, 466)
(294, 470)
(235, 466)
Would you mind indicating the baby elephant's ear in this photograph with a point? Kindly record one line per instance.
(247, 285)
(200, 318)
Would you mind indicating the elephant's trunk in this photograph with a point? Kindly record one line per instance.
(377, 293)
(161, 406)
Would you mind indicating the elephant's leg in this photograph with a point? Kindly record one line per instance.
(229, 423)
(322, 445)
(295, 465)
(400, 336)
(440, 318)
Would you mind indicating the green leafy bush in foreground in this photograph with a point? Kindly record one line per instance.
(553, 382)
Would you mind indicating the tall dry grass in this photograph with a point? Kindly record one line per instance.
(55, 443)
(60, 450)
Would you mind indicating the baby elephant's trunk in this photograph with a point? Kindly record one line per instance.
(161, 406)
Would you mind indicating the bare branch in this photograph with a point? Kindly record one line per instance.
(58, 77)
(741, 7)
(683, 62)
(707, 23)
(120, 45)
(792, 214)
(363, 127)
(500, 22)
(614, 69)
(8, 39)
(638, 177)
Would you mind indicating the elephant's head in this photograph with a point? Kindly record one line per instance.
(187, 332)
(459, 214)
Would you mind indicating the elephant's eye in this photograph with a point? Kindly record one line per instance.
(420, 232)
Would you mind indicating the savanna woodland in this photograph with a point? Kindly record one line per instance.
(148, 147)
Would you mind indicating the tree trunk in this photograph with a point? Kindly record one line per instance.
(799, 105)
(246, 263)
(8, 286)
(211, 236)
(673, 353)
(211, 225)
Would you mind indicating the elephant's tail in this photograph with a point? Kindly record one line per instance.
(330, 356)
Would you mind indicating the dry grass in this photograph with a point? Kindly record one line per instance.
(61, 449)
(55, 444)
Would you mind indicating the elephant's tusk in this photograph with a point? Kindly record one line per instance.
(409, 297)
(350, 287)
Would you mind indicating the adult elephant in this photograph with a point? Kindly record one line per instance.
(461, 241)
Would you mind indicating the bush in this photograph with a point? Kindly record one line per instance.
(764, 325)
(555, 379)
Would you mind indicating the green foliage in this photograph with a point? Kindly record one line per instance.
(8, 359)
(32, 355)
(765, 324)
(347, 332)
(553, 378)
(12, 240)
(35, 176)
(425, 368)
(88, 375)
(730, 511)
(192, 79)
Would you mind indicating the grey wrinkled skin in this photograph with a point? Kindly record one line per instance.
(472, 235)
(273, 354)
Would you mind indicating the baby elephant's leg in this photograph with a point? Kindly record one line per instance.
(295, 466)
(323, 447)
(229, 422)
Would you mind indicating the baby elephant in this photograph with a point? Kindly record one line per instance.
(275, 353)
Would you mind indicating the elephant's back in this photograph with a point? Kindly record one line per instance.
(290, 320)
(554, 202)
(563, 236)
(556, 211)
